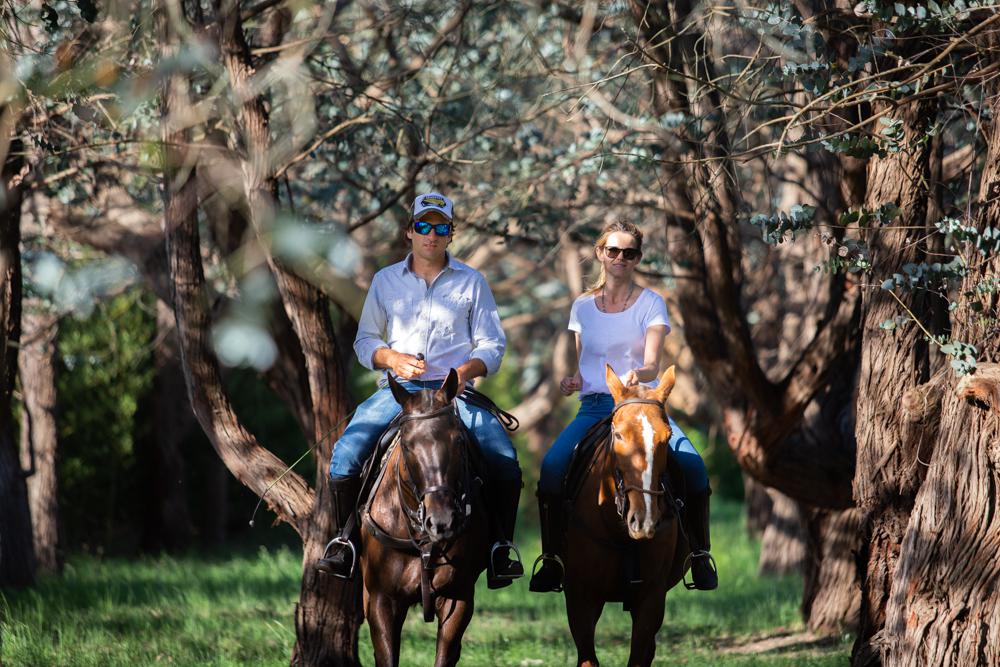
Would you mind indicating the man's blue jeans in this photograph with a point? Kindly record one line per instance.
(594, 408)
(361, 435)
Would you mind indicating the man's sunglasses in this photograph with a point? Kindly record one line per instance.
(630, 254)
(424, 228)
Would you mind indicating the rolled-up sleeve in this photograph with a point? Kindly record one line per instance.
(372, 326)
(488, 339)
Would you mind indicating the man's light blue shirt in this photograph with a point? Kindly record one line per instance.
(450, 322)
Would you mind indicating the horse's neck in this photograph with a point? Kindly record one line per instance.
(385, 503)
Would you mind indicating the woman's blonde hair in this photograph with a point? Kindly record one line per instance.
(620, 226)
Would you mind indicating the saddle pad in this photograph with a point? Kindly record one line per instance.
(584, 454)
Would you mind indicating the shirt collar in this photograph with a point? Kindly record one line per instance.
(452, 263)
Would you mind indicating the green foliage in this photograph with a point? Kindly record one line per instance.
(935, 276)
(105, 370)
(235, 608)
(964, 361)
(781, 226)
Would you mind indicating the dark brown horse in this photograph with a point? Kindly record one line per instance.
(625, 541)
(424, 532)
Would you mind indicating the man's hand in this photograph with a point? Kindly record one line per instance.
(570, 384)
(407, 366)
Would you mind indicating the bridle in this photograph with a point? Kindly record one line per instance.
(621, 488)
(459, 499)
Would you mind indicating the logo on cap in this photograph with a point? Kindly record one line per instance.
(432, 201)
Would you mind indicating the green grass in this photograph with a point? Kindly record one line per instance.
(237, 610)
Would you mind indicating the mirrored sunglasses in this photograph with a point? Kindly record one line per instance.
(630, 254)
(424, 228)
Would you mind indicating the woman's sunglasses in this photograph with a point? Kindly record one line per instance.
(424, 228)
(630, 254)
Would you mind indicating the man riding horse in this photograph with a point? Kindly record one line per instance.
(422, 317)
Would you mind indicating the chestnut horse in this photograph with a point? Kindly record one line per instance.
(625, 541)
(424, 532)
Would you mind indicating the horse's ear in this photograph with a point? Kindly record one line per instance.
(398, 391)
(449, 388)
(666, 384)
(615, 385)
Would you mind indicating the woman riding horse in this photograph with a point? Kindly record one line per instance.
(626, 541)
(620, 324)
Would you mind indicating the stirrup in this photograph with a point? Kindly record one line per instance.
(550, 558)
(354, 556)
(504, 544)
(689, 561)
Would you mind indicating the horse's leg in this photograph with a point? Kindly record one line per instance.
(453, 619)
(583, 611)
(385, 620)
(647, 617)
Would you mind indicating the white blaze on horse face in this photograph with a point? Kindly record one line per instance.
(647, 475)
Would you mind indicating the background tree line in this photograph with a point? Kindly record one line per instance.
(251, 163)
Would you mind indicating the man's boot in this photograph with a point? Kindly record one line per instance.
(704, 575)
(549, 577)
(341, 555)
(505, 561)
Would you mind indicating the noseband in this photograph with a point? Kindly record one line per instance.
(459, 501)
(621, 488)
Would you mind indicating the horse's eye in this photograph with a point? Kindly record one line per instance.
(618, 436)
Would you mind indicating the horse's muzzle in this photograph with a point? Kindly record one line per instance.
(441, 517)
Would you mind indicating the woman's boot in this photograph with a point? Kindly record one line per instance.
(549, 577)
(704, 575)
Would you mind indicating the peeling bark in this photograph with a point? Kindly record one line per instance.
(944, 609)
(891, 449)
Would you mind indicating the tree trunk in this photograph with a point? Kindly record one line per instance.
(783, 544)
(889, 448)
(39, 434)
(757, 505)
(832, 591)
(328, 615)
(944, 609)
(17, 559)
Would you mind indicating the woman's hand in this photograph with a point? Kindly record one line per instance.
(630, 379)
(570, 384)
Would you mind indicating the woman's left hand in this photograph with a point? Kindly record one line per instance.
(630, 379)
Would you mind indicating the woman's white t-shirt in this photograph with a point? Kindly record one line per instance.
(618, 339)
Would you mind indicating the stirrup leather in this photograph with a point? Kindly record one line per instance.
(354, 555)
(688, 562)
(501, 544)
(550, 558)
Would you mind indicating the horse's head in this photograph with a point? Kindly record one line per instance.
(430, 450)
(641, 434)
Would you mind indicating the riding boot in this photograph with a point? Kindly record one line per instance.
(549, 577)
(340, 556)
(505, 561)
(704, 575)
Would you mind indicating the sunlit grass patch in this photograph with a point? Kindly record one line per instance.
(230, 610)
